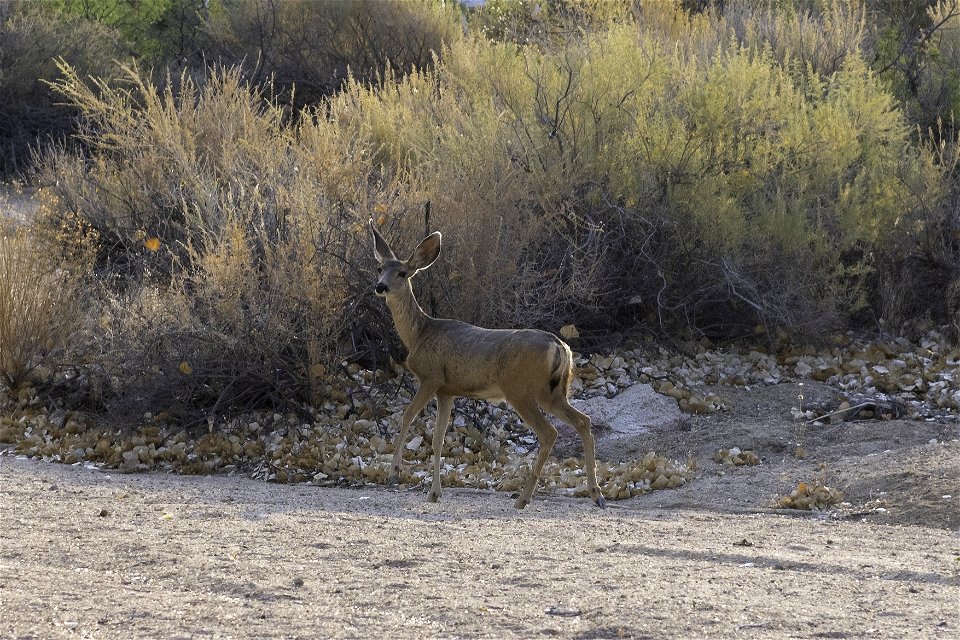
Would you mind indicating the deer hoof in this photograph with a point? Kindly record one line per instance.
(601, 502)
(433, 496)
(521, 503)
(393, 479)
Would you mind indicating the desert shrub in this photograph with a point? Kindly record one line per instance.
(305, 49)
(914, 47)
(936, 85)
(814, 33)
(450, 136)
(538, 22)
(39, 310)
(819, 35)
(156, 32)
(812, 229)
(717, 191)
(924, 262)
(243, 327)
(31, 39)
(227, 242)
(315, 46)
(132, 21)
(776, 189)
(159, 158)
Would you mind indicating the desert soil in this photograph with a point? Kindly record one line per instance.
(89, 553)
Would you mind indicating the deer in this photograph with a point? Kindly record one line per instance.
(529, 368)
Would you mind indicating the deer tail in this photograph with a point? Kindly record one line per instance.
(561, 368)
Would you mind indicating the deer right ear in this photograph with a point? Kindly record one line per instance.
(381, 250)
(426, 252)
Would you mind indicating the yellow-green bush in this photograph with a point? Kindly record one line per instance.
(724, 189)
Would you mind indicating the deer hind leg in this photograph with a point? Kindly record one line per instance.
(420, 400)
(561, 408)
(444, 407)
(546, 433)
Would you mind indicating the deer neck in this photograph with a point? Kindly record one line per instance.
(408, 317)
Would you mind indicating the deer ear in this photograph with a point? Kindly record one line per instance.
(426, 252)
(381, 250)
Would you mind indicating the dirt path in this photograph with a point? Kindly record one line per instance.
(91, 554)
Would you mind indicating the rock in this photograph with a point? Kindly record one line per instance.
(627, 416)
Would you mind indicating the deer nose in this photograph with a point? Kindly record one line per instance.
(381, 288)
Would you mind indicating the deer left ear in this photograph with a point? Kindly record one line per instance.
(381, 249)
(426, 252)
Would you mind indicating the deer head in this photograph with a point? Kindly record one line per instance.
(394, 274)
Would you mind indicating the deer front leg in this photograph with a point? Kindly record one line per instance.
(420, 400)
(444, 407)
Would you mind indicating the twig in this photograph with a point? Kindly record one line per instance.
(919, 40)
(839, 411)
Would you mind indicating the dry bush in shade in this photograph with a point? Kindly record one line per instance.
(39, 309)
(30, 39)
(312, 48)
(227, 245)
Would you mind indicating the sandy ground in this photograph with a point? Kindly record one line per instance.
(86, 553)
(900, 471)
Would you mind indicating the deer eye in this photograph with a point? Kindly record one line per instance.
(379, 269)
(402, 274)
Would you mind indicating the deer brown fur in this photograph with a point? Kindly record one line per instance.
(528, 368)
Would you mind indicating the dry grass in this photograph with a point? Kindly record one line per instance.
(38, 310)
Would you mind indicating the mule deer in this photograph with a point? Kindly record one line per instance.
(528, 368)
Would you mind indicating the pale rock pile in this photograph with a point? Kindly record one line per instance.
(924, 375)
(621, 421)
(810, 496)
(735, 457)
(349, 439)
